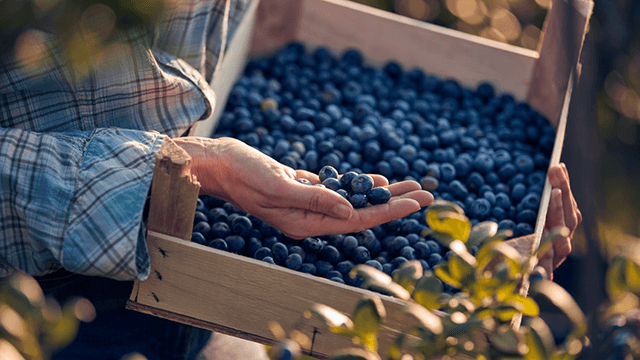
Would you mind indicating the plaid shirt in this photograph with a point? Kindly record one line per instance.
(77, 156)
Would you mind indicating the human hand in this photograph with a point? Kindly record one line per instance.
(257, 184)
(563, 211)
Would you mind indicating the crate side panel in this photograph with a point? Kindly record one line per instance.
(244, 294)
(382, 36)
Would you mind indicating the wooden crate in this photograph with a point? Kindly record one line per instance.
(238, 295)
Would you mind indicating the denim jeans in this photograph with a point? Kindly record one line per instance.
(117, 331)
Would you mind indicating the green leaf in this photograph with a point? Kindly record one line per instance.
(481, 232)
(354, 354)
(460, 270)
(524, 304)
(541, 330)
(460, 249)
(535, 348)
(563, 301)
(394, 351)
(442, 271)
(428, 290)
(335, 321)
(505, 312)
(442, 237)
(367, 317)
(427, 319)
(379, 281)
(408, 274)
(369, 273)
(455, 224)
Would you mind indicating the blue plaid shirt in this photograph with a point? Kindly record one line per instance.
(77, 155)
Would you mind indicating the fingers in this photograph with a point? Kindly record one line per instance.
(403, 187)
(315, 199)
(559, 179)
(555, 212)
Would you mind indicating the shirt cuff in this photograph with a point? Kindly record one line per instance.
(105, 234)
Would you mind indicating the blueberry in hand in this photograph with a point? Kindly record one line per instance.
(345, 180)
(326, 172)
(358, 200)
(332, 183)
(379, 195)
(361, 184)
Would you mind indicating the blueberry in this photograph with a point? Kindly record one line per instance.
(408, 253)
(219, 230)
(379, 195)
(480, 209)
(523, 229)
(447, 172)
(458, 190)
(530, 201)
(507, 171)
(360, 255)
(312, 245)
(524, 164)
(433, 246)
(344, 267)
(268, 259)
(399, 165)
(330, 254)
(280, 251)
(474, 181)
(398, 243)
(429, 183)
(434, 259)
(361, 184)
(490, 196)
(308, 268)
(203, 228)
(199, 216)
(358, 200)
(388, 268)
(349, 244)
(518, 192)
(411, 226)
(293, 261)
(323, 267)
(295, 249)
(219, 244)
(198, 238)
(422, 249)
(327, 172)
(241, 225)
(527, 216)
(483, 163)
(507, 224)
(235, 243)
(334, 275)
(252, 245)
(332, 183)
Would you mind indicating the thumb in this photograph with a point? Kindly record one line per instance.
(318, 199)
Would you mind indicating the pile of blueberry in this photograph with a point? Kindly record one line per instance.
(357, 188)
(309, 110)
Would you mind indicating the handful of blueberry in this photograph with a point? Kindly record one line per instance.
(331, 115)
(357, 188)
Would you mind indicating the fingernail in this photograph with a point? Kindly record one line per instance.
(342, 211)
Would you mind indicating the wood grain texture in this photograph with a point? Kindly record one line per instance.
(174, 192)
(383, 36)
(240, 295)
(557, 57)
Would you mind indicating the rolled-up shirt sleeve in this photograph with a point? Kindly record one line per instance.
(75, 200)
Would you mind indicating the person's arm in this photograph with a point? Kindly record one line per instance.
(75, 200)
